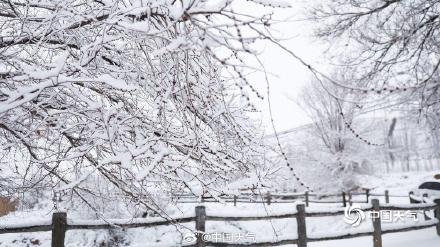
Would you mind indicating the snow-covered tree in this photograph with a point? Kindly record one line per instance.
(141, 95)
(336, 145)
(394, 44)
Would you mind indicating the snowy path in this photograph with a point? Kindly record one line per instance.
(420, 238)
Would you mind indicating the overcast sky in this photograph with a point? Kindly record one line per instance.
(291, 75)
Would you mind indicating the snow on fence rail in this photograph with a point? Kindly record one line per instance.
(343, 198)
(60, 224)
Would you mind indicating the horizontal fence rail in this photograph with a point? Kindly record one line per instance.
(343, 198)
(110, 225)
(60, 224)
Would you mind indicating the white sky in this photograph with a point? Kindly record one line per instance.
(291, 75)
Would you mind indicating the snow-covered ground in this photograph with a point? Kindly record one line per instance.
(422, 238)
(273, 230)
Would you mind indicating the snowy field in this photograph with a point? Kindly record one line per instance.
(422, 238)
(273, 230)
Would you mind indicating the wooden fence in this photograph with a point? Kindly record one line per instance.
(343, 198)
(60, 225)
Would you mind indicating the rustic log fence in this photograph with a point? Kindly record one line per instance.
(344, 198)
(60, 225)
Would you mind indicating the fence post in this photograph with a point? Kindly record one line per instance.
(387, 196)
(307, 198)
(367, 194)
(200, 226)
(377, 233)
(269, 198)
(301, 225)
(59, 227)
(425, 196)
(344, 200)
(235, 200)
(437, 215)
(349, 198)
(411, 200)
